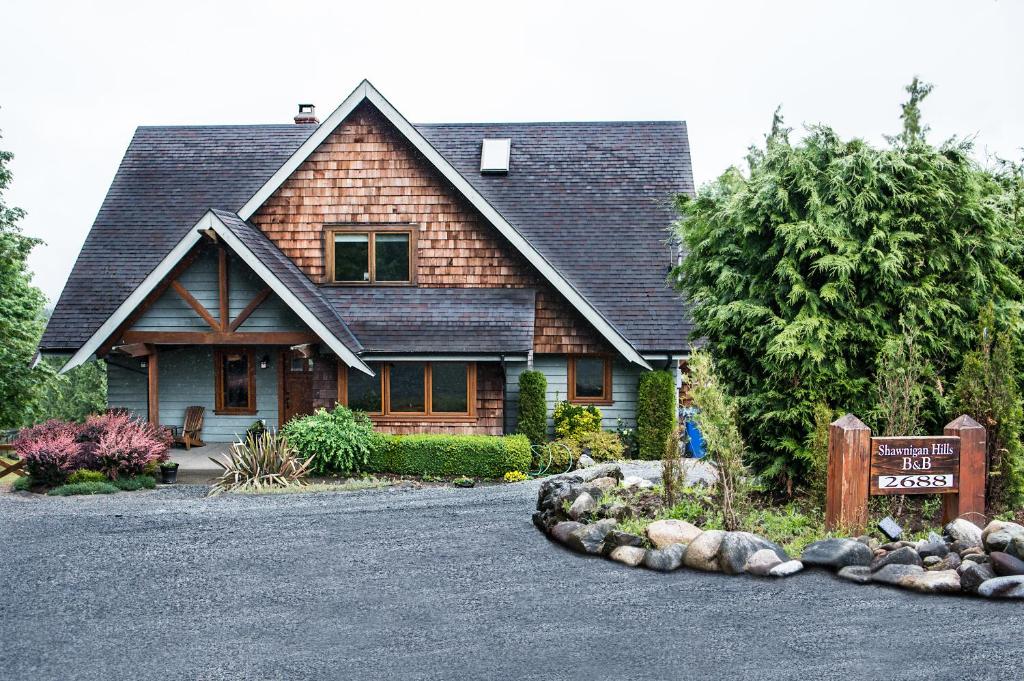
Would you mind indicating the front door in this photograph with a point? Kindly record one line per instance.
(297, 391)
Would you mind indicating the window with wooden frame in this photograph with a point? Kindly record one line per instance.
(234, 380)
(382, 255)
(416, 390)
(590, 379)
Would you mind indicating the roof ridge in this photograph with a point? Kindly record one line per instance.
(526, 123)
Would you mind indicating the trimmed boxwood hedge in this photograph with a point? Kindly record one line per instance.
(533, 406)
(480, 456)
(655, 413)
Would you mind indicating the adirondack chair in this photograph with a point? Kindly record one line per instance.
(190, 432)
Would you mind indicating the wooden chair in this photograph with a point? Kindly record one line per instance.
(189, 433)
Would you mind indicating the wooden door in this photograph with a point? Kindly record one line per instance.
(297, 391)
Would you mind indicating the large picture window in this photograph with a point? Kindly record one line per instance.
(382, 255)
(590, 379)
(411, 389)
(234, 381)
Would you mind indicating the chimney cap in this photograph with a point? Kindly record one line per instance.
(307, 114)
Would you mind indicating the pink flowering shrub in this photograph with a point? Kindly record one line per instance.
(121, 445)
(50, 450)
(118, 444)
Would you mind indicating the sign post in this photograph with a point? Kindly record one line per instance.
(859, 465)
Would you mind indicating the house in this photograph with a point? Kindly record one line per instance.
(411, 271)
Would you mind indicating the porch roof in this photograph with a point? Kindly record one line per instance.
(437, 320)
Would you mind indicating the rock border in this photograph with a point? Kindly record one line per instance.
(966, 560)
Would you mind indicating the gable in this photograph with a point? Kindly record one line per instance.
(365, 172)
(170, 311)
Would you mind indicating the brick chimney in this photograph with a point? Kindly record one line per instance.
(306, 115)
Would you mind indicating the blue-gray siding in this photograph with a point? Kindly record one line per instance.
(556, 368)
(170, 313)
(186, 379)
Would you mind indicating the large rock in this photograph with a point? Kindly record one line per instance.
(554, 491)
(702, 553)
(605, 470)
(561, 531)
(972, 575)
(666, 559)
(663, 533)
(584, 505)
(1004, 537)
(837, 553)
(585, 462)
(761, 562)
(1003, 587)
(950, 562)
(937, 582)
(590, 538)
(1006, 565)
(901, 556)
(893, 573)
(628, 555)
(965, 531)
(859, 574)
(617, 538)
(606, 483)
(737, 547)
(934, 545)
(790, 567)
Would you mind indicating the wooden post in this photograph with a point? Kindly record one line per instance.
(153, 385)
(222, 286)
(849, 469)
(969, 502)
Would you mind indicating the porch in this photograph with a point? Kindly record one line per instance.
(194, 465)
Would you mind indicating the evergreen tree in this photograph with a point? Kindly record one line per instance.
(22, 319)
(802, 268)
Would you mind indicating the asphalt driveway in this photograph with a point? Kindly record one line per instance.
(430, 584)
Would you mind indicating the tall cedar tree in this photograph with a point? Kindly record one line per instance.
(800, 270)
(22, 318)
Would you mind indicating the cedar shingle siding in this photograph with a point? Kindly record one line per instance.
(366, 173)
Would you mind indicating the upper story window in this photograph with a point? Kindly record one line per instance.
(590, 379)
(383, 255)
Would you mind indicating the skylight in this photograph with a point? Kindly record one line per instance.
(494, 155)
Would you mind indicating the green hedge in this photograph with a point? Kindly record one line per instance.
(533, 406)
(655, 413)
(481, 456)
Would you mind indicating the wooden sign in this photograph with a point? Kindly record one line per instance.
(915, 465)
(860, 465)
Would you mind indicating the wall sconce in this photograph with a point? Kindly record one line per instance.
(264, 361)
(143, 363)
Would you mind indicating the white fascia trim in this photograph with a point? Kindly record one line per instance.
(663, 357)
(366, 91)
(372, 357)
(209, 222)
(311, 320)
(115, 320)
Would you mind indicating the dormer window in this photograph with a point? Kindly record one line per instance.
(380, 255)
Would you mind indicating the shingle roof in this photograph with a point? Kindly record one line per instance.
(410, 320)
(291, 276)
(593, 198)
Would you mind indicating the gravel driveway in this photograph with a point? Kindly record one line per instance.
(430, 584)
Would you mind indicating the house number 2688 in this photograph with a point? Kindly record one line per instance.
(914, 481)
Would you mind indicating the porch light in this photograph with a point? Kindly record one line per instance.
(143, 363)
(264, 361)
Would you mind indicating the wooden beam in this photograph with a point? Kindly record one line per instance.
(969, 501)
(249, 309)
(195, 305)
(849, 466)
(148, 301)
(219, 338)
(305, 350)
(222, 280)
(135, 349)
(153, 384)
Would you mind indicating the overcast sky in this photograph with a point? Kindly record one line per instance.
(77, 77)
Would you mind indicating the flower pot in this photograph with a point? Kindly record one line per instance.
(168, 474)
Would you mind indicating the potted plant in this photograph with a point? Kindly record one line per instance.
(168, 472)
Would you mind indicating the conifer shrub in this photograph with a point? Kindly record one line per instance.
(656, 407)
(533, 406)
(573, 419)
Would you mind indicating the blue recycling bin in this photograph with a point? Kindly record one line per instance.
(695, 441)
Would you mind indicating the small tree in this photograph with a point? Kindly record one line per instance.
(656, 408)
(718, 422)
(817, 450)
(533, 406)
(671, 469)
(900, 386)
(987, 391)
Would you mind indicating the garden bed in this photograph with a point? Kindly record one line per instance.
(598, 512)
